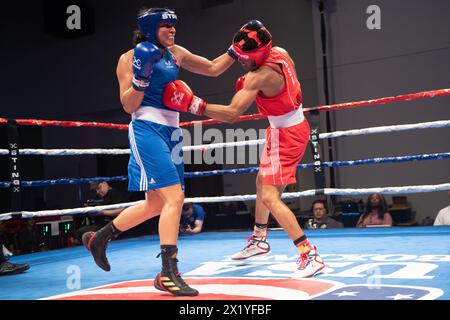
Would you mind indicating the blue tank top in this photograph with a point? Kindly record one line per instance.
(165, 71)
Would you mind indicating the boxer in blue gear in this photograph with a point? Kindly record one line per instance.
(156, 161)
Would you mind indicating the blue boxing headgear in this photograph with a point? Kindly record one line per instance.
(148, 23)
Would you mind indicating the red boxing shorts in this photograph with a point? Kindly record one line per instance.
(282, 152)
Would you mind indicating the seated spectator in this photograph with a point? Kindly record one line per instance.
(7, 267)
(107, 195)
(7, 238)
(427, 221)
(443, 217)
(5, 251)
(321, 219)
(375, 212)
(192, 217)
(29, 238)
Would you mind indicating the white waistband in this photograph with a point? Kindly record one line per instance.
(161, 116)
(288, 119)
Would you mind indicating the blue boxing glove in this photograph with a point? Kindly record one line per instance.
(145, 55)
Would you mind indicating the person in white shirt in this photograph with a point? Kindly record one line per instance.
(443, 217)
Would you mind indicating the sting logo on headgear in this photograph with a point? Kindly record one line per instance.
(258, 54)
(149, 22)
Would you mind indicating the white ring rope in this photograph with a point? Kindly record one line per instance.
(384, 129)
(63, 212)
(68, 152)
(204, 147)
(289, 195)
(331, 192)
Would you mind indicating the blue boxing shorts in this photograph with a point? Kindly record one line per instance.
(156, 159)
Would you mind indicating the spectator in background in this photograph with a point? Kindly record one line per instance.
(375, 212)
(192, 217)
(427, 221)
(321, 219)
(443, 217)
(29, 238)
(107, 195)
(7, 267)
(7, 238)
(6, 253)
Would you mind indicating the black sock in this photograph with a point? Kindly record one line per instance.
(301, 239)
(260, 225)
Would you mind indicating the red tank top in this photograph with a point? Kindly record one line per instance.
(290, 97)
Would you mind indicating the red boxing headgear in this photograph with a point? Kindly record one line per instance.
(260, 54)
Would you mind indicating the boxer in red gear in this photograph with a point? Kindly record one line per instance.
(272, 82)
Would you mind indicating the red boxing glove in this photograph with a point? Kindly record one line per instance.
(240, 83)
(178, 96)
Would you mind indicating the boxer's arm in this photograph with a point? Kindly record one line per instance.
(241, 101)
(229, 113)
(198, 64)
(130, 98)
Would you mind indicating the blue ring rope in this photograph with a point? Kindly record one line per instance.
(198, 174)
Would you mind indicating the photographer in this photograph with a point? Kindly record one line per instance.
(192, 218)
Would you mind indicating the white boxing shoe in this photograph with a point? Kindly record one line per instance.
(254, 247)
(309, 264)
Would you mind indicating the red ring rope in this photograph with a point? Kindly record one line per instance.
(347, 105)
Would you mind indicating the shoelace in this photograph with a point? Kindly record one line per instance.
(177, 273)
(180, 279)
(303, 260)
(159, 254)
(250, 241)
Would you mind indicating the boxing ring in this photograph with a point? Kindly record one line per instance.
(397, 263)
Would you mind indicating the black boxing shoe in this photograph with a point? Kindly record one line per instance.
(97, 246)
(13, 268)
(97, 242)
(173, 283)
(169, 279)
